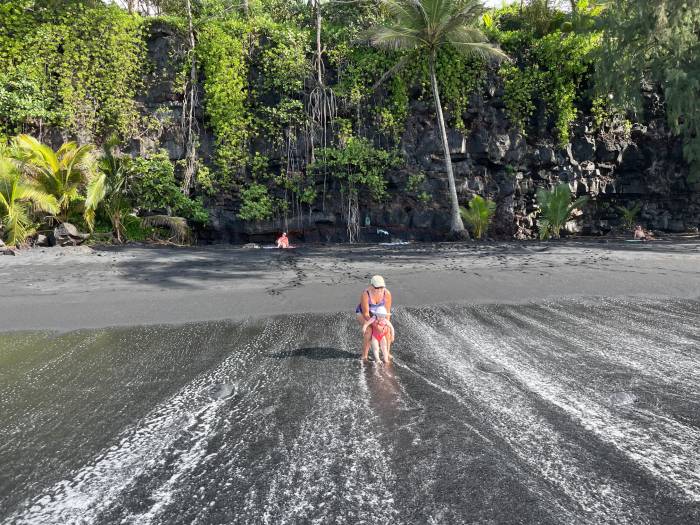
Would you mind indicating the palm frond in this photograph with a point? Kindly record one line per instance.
(464, 44)
(478, 214)
(40, 154)
(180, 231)
(96, 191)
(393, 37)
(556, 208)
(40, 200)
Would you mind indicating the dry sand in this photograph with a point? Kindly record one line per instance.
(70, 288)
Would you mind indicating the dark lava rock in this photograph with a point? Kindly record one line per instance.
(67, 234)
(458, 236)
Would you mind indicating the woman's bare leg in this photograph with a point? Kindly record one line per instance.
(366, 337)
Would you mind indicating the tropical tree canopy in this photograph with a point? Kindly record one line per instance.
(423, 26)
(656, 43)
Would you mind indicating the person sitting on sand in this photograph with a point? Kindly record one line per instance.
(373, 297)
(381, 334)
(641, 235)
(283, 241)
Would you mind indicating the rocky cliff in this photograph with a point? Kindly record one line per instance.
(616, 164)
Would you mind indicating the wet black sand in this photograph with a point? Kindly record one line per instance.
(65, 289)
(561, 411)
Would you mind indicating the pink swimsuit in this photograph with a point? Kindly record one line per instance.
(377, 334)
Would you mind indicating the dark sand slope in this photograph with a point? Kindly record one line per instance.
(566, 411)
(66, 289)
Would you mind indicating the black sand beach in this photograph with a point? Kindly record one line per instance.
(533, 383)
(68, 288)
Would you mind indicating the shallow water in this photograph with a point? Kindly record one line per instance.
(563, 412)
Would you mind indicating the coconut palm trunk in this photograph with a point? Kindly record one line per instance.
(422, 28)
(456, 224)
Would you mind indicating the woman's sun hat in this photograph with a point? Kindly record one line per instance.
(377, 281)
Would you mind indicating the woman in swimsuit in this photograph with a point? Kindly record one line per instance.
(374, 296)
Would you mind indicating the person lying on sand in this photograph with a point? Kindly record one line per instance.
(373, 297)
(382, 334)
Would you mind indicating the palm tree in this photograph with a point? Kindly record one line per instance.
(108, 188)
(17, 202)
(555, 209)
(63, 173)
(424, 26)
(478, 215)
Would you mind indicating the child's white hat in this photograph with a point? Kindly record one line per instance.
(380, 311)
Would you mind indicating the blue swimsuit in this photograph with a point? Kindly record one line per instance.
(372, 307)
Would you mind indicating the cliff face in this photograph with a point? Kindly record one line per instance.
(618, 166)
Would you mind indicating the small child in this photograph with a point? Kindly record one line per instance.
(382, 334)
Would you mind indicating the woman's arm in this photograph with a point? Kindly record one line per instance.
(387, 304)
(366, 325)
(364, 304)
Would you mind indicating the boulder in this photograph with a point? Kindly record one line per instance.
(498, 147)
(583, 148)
(42, 240)
(67, 234)
(458, 236)
(544, 156)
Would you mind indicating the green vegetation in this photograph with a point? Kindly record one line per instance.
(478, 215)
(629, 215)
(18, 201)
(307, 101)
(153, 188)
(423, 27)
(555, 209)
(109, 189)
(62, 174)
(655, 43)
(553, 59)
(73, 65)
(71, 184)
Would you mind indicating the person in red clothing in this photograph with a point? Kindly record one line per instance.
(382, 334)
(373, 297)
(283, 241)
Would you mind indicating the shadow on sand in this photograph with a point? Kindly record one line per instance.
(318, 353)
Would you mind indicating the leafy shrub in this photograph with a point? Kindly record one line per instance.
(415, 180)
(154, 188)
(478, 215)
(358, 164)
(134, 230)
(629, 215)
(256, 203)
(555, 209)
